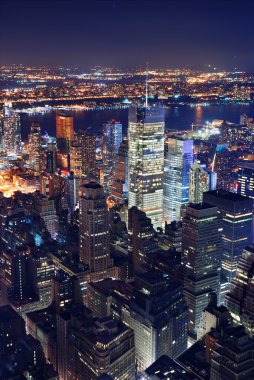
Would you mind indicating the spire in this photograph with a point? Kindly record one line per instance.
(146, 103)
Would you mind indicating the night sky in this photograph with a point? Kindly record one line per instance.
(127, 33)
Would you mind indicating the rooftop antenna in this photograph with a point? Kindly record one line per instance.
(146, 104)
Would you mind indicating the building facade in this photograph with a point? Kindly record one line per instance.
(179, 160)
(201, 257)
(146, 161)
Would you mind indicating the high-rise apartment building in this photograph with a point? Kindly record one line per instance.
(201, 180)
(179, 160)
(146, 161)
(64, 132)
(201, 257)
(246, 179)
(119, 189)
(11, 130)
(94, 230)
(34, 148)
(236, 214)
(239, 300)
(111, 141)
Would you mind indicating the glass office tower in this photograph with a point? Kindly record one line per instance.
(179, 160)
(146, 161)
(236, 214)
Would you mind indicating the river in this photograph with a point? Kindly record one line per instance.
(176, 117)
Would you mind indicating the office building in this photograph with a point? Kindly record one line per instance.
(34, 148)
(165, 368)
(64, 132)
(141, 240)
(19, 275)
(103, 346)
(201, 180)
(213, 317)
(76, 159)
(89, 155)
(233, 356)
(178, 162)
(146, 161)
(94, 230)
(246, 178)
(50, 158)
(152, 306)
(236, 214)
(201, 257)
(111, 141)
(239, 300)
(157, 314)
(173, 235)
(45, 207)
(11, 130)
(12, 328)
(119, 189)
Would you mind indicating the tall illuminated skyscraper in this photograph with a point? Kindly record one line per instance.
(239, 300)
(201, 180)
(119, 190)
(94, 231)
(179, 160)
(146, 161)
(64, 132)
(236, 214)
(201, 257)
(246, 178)
(11, 130)
(34, 147)
(111, 141)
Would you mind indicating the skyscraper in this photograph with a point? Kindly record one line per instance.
(201, 180)
(233, 355)
(111, 141)
(102, 346)
(201, 257)
(34, 147)
(246, 178)
(76, 159)
(239, 300)
(64, 132)
(141, 238)
(157, 314)
(45, 207)
(89, 154)
(236, 214)
(119, 190)
(179, 159)
(11, 130)
(94, 231)
(146, 161)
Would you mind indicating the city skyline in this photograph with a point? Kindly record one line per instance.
(128, 34)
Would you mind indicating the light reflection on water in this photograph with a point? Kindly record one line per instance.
(176, 117)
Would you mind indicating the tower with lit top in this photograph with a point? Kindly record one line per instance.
(146, 160)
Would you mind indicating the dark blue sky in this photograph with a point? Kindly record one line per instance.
(127, 33)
